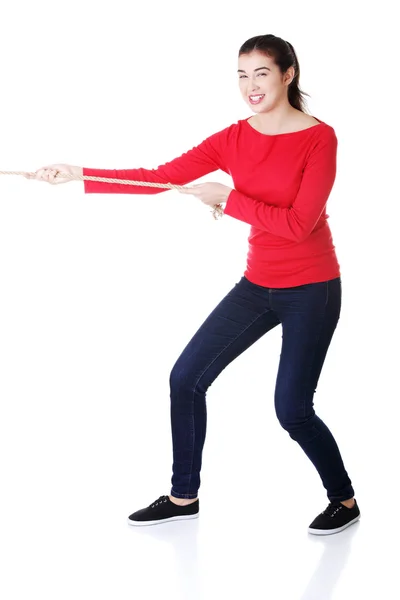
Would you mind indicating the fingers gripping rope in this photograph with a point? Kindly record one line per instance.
(217, 211)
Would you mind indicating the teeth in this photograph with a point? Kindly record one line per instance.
(256, 97)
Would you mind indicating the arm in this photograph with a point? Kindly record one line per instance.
(200, 160)
(296, 222)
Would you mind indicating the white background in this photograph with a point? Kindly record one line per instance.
(100, 293)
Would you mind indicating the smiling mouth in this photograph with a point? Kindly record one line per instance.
(256, 98)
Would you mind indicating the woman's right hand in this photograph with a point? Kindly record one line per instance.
(49, 173)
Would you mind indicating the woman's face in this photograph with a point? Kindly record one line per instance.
(260, 76)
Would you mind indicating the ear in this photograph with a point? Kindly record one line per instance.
(289, 75)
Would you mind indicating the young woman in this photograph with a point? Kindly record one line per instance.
(283, 165)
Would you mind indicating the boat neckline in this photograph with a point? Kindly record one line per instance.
(283, 134)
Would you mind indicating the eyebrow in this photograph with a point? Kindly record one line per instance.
(259, 69)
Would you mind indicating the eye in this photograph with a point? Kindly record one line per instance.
(265, 74)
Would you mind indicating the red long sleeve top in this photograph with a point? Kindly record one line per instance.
(282, 184)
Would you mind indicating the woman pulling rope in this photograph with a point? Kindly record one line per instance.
(283, 163)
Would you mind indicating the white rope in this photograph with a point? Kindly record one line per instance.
(217, 211)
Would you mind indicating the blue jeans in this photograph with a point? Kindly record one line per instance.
(309, 314)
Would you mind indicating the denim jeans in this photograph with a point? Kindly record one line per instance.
(309, 314)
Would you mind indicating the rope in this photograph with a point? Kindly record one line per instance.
(217, 211)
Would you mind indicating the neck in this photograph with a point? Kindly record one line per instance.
(276, 118)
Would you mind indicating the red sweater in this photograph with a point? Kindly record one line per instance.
(282, 184)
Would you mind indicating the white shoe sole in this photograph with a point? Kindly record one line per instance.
(158, 521)
(330, 531)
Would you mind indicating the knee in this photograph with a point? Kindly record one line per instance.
(289, 412)
(181, 379)
(300, 429)
(289, 424)
(294, 412)
(176, 377)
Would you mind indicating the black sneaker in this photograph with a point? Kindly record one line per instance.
(163, 510)
(334, 518)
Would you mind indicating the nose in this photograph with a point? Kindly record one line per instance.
(254, 87)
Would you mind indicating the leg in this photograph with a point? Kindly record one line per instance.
(309, 316)
(239, 320)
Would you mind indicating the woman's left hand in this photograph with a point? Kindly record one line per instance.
(209, 193)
